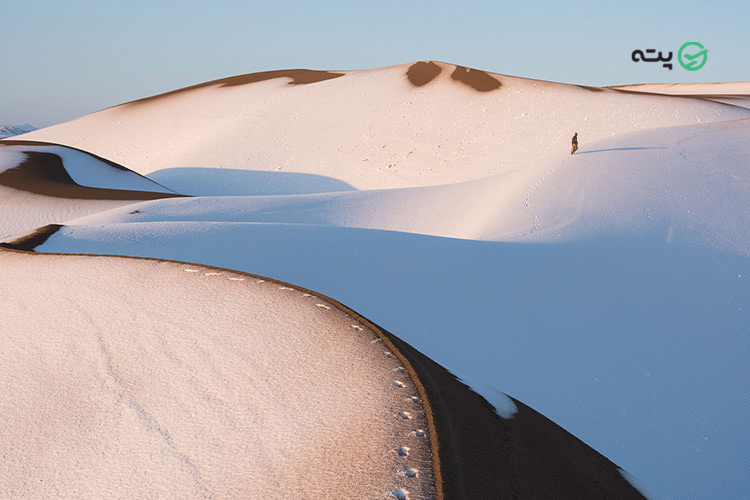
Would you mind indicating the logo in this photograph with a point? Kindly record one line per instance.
(692, 56)
(689, 58)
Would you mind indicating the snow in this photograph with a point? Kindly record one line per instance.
(734, 93)
(22, 211)
(607, 290)
(10, 159)
(645, 490)
(605, 336)
(87, 170)
(504, 405)
(13, 130)
(370, 129)
(134, 379)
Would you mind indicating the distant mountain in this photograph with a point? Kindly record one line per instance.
(11, 130)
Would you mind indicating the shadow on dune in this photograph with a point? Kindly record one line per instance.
(615, 149)
(235, 182)
(45, 174)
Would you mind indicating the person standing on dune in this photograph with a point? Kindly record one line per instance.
(575, 143)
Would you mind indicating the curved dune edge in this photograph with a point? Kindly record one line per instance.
(336, 441)
(477, 454)
(44, 173)
(26, 244)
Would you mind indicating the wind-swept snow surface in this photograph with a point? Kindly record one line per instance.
(613, 299)
(128, 378)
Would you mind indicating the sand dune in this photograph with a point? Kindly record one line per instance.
(605, 289)
(375, 129)
(297, 77)
(78, 184)
(299, 393)
(147, 379)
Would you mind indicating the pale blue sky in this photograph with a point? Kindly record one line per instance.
(62, 59)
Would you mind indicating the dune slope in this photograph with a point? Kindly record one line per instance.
(607, 290)
(371, 129)
(143, 379)
(42, 183)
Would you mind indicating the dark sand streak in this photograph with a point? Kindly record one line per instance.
(17, 142)
(44, 174)
(34, 239)
(298, 76)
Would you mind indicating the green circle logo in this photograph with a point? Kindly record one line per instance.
(692, 60)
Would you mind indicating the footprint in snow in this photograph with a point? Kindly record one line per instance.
(418, 433)
(322, 306)
(401, 494)
(402, 451)
(409, 472)
(398, 383)
(405, 415)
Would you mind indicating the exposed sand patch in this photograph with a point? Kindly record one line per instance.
(12, 142)
(476, 79)
(592, 89)
(298, 76)
(32, 240)
(44, 173)
(482, 455)
(423, 72)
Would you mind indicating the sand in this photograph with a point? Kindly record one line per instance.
(135, 378)
(423, 72)
(298, 77)
(476, 79)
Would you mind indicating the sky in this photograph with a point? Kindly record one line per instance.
(63, 59)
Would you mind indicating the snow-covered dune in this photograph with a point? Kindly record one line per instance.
(614, 276)
(688, 183)
(734, 93)
(607, 290)
(383, 128)
(627, 343)
(129, 378)
(41, 183)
